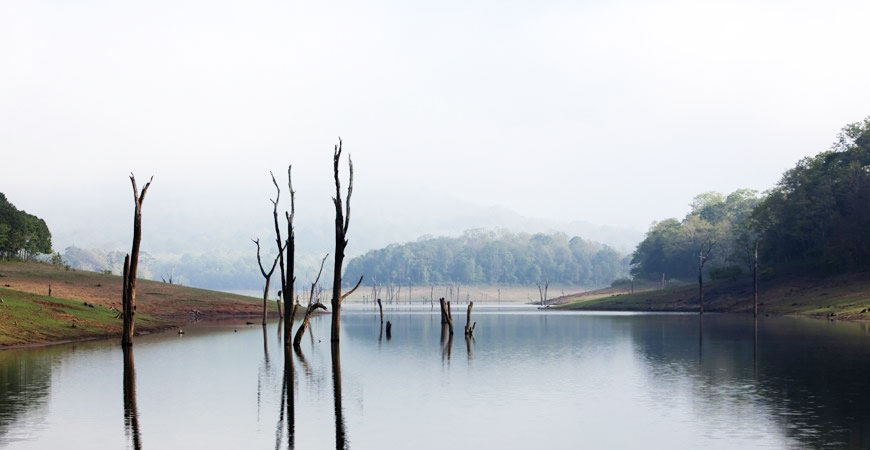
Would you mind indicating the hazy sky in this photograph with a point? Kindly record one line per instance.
(613, 112)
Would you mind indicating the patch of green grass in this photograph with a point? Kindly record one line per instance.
(27, 318)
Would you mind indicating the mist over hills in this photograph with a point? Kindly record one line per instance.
(212, 248)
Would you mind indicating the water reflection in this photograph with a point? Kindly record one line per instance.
(676, 381)
(264, 372)
(287, 410)
(131, 412)
(446, 343)
(341, 441)
(25, 381)
(469, 341)
(808, 377)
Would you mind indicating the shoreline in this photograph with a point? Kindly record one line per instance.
(144, 332)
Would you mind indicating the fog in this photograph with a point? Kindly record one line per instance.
(527, 115)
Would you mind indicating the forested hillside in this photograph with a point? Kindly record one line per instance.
(816, 219)
(22, 235)
(492, 257)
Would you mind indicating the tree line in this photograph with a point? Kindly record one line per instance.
(816, 219)
(492, 257)
(22, 235)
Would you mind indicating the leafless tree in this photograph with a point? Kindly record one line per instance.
(755, 281)
(131, 264)
(342, 223)
(312, 306)
(703, 255)
(542, 290)
(266, 275)
(286, 249)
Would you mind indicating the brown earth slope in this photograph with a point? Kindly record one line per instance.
(84, 304)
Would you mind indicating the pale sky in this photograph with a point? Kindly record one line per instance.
(612, 112)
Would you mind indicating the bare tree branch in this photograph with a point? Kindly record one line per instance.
(345, 295)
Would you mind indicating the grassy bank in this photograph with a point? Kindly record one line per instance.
(844, 296)
(29, 316)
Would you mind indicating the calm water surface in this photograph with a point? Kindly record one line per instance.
(529, 379)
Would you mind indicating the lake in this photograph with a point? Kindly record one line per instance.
(529, 379)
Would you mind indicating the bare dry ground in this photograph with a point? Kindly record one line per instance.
(84, 304)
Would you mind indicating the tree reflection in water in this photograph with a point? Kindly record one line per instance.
(288, 384)
(341, 441)
(131, 414)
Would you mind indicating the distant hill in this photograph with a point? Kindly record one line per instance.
(491, 257)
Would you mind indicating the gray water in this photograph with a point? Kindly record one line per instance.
(529, 379)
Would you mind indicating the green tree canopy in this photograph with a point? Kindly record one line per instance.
(491, 257)
(816, 218)
(22, 235)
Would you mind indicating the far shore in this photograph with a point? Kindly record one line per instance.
(841, 297)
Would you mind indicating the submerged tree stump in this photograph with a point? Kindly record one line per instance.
(469, 327)
(381, 308)
(446, 316)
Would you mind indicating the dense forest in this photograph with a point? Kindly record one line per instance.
(817, 219)
(492, 257)
(22, 235)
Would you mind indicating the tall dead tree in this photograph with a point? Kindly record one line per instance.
(542, 291)
(287, 249)
(755, 281)
(312, 306)
(342, 223)
(266, 275)
(131, 264)
(703, 255)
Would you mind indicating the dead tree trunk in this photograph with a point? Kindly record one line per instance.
(703, 255)
(449, 319)
(542, 291)
(342, 222)
(312, 305)
(701, 284)
(266, 275)
(131, 264)
(755, 281)
(469, 327)
(288, 249)
(381, 308)
(443, 311)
